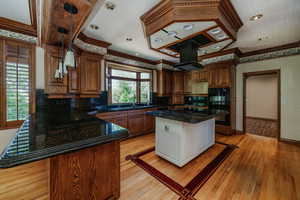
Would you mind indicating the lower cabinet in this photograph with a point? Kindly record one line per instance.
(136, 121)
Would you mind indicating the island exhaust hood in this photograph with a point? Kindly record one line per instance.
(188, 51)
(188, 56)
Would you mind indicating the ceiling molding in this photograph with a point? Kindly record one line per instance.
(33, 16)
(235, 51)
(165, 62)
(92, 41)
(127, 56)
(272, 49)
(54, 16)
(18, 27)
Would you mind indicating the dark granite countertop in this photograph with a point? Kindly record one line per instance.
(189, 116)
(46, 134)
(102, 109)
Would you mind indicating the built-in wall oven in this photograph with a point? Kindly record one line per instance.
(219, 102)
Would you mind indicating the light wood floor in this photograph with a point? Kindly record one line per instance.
(261, 168)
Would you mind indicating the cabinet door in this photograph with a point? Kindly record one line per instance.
(74, 78)
(195, 75)
(90, 75)
(149, 123)
(168, 83)
(187, 82)
(224, 77)
(203, 76)
(121, 121)
(178, 83)
(136, 123)
(53, 85)
(178, 99)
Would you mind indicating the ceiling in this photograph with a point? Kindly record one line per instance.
(17, 10)
(280, 25)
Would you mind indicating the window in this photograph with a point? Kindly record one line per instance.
(16, 76)
(128, 86)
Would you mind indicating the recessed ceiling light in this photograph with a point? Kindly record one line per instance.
(137, 54)
(158, 40)
(129, 39)
(217, 47)
(221, 36)
(188, 27)
(256, 17)
(172, 33)
(110, 6)
(94, 27)
(215, 31)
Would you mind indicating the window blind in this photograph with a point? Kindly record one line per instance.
(17, 82)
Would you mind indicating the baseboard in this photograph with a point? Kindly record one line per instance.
(295, 142)
(261, 118)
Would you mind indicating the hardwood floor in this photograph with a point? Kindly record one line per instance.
(261, 168)
(262, 127)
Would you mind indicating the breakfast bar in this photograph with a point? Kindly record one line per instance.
(71, 155)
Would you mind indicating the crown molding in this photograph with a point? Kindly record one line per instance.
(127, 56)
(272, 49)
(17, 27)
(162, 61)
(235, 51)
(92, 41)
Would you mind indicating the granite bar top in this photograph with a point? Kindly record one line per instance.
(47, 134)
(187, 116)
(102, 109)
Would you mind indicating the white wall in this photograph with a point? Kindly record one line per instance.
(40, 76)
(261, 96)
(290, 92)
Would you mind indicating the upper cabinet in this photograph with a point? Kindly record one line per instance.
(164, 82)
(54, 86)
(178, 82)
(90, 74)
(195, 82)
(220, 75)
(83, 81)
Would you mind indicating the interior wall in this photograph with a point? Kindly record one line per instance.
(40, 76)
(261, 96)
(290, 95)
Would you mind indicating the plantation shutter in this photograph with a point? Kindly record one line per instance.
(17, 81)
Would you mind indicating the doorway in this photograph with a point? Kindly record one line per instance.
(262, 103)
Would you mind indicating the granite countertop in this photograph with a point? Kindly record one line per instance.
(187, 116)
(47, 134)
(102, 109)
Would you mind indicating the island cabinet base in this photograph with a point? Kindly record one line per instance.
(180, 142)
(92, 173)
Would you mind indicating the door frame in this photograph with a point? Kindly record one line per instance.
(276, 72)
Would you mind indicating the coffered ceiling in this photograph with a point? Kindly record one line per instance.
(17, 10)
(279, 25)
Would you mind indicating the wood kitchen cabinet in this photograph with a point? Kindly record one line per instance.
(164, 82)
(219, 75)
(178, 82)
(136, 121)
(90, 74)
(178, 99)
(53, 85)
(83, 81)
(74, 78)
(188, 82)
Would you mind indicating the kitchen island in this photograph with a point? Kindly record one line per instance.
(183, 135)
(67, 155)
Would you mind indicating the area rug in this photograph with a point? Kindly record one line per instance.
(188, 191)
